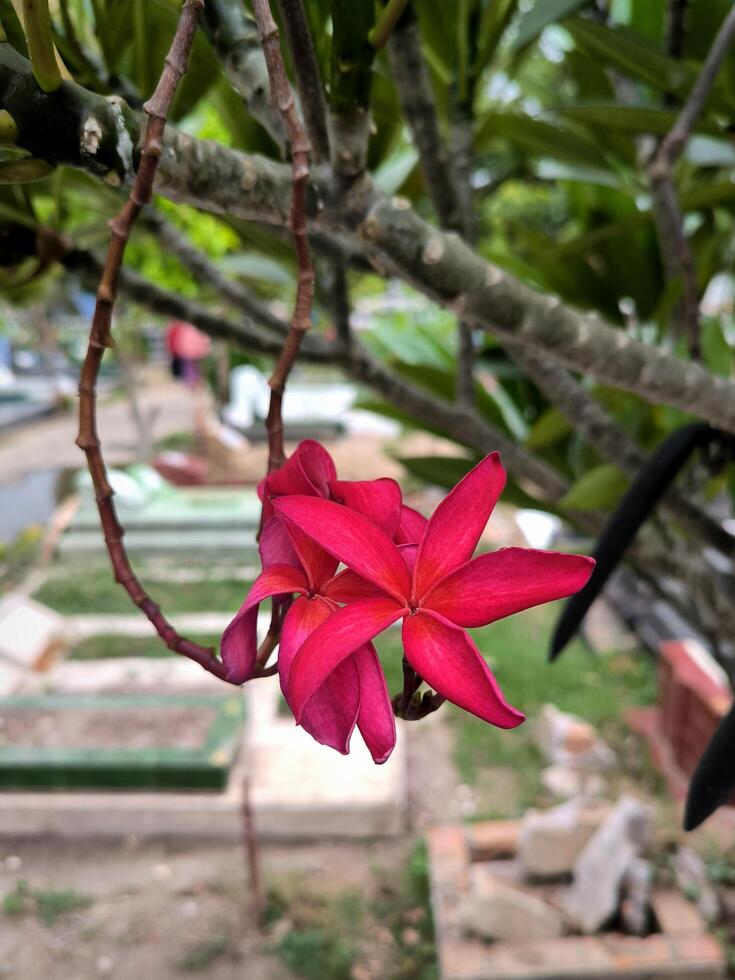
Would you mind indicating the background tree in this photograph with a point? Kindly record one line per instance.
(556, 177)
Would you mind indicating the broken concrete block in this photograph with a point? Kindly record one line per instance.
(567, 740)
(567, 782)
(635, 907)
(32, 636)
(594, 896)
(496, 910)
(550, 841)
(692, 879)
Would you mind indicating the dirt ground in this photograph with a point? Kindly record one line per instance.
(159, 911)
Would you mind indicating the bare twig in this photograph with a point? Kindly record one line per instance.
(675, 251)
(308, 78)
(100, 339)
(283, 98)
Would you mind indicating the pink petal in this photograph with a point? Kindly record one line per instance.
(348, 586)
(352, 538)
(239, 644)
(331, 713)
(344, 632)
(275, 546)
(376, 721)
(409, 553)
(318, 564)
(378, 500)
(449, 661)
(411, 526)
(504, 582)
(457, 523)
(309, 470)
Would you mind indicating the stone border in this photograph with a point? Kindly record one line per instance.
(683, 949)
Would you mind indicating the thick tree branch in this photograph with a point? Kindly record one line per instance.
(587, 416)
(234, 37)
(221, 180)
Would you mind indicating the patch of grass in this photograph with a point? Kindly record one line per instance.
(104, 646)
(95, 591)
(202, 955)
(403, 906)
(598, 687)
(316, 954)
(322, 941)
(48, 904)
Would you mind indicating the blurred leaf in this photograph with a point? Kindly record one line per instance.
(539, 138)
(393, 172)
(540, 15)
(599, 488)
(495, 18)
(547, 429)
(628, 118)
(442, 471)
(715, 349)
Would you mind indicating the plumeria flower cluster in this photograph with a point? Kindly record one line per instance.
(399, 567)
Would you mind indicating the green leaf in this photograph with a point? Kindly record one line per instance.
(442, 471)
(627, 118)
(539, 138)
(631, 54)
(393, 172)
(535, 20)
(599, 488)
(495, 18)
(548, 429)
(715, 349)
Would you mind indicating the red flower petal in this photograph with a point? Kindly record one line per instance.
(239, 644)
(353, 539)
(318, 564)
(504, 582)
(457, 523)
(330, 715)
(348, 586)
(378, 500)
(409, 553)
(411, 526)
(344, 632)
(275, 546)
(309, 470)
(376, 721)
(449, 661)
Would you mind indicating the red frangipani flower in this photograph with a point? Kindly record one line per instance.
(354, 693)
(445, 592)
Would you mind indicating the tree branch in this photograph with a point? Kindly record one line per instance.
(301, 319)
(234, 37)
(100, 339)
(222, 180)
(308, 78)
(676, 254)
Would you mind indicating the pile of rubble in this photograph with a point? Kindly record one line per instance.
(570, 890)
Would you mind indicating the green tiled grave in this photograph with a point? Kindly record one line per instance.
(119, 741)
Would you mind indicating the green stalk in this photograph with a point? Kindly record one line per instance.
(380, 34)
(37, 26)
(352, 55)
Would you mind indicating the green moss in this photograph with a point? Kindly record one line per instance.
(49, 904)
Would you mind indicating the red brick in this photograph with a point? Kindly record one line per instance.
(676, 916)
(494, 839)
